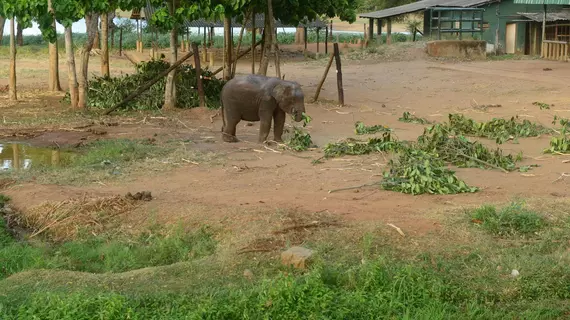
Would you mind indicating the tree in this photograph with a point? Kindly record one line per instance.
(2, 23)
(25, 11)
(53, 83)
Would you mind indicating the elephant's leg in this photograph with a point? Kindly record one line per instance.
(229, 130)
(278, 124)
(265, 117)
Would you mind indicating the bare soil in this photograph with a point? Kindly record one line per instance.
(255, 178)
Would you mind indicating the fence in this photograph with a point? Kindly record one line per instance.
(555, 50)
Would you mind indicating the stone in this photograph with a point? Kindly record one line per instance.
(248, 274)
(298, 257)
(515, 273)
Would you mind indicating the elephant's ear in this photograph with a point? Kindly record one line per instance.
(282, 93)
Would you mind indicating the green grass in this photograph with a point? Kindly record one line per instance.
(511, 220)
(104, 253)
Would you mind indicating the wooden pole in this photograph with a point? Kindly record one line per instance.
(149, 84)
(389, 32)
(120, 41)
(277, 63)
(246, 51)
(326, 40)
(543, 32)
(318, 31)
(234, 66)
(305, 36)
(338, 75)
(320, 86)
(198, 75)
(253, 42)
(370, 30)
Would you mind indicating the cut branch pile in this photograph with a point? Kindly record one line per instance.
(106, 92)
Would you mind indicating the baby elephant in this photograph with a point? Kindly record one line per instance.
(260, 98)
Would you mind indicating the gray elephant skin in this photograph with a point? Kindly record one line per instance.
(260, 98)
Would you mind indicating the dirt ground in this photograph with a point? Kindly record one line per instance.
(253, 177)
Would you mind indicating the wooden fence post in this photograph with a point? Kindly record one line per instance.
(320, 86)
(338, 75)
(198, 75)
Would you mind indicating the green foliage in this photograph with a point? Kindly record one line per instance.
(461, 152)
(103, 254)
(3, 200)
(115, 151)
(417, 172)
(354, 147)
(105, 92)
(360, 128)
(541, 105)
(411, 118)
(559, 144)
(5, 236)
(512, 220)
(301, 140)
(499, 129)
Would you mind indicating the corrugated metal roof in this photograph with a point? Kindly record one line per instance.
(559, 2)
(259, 21)
(550, 16)
(423, 5)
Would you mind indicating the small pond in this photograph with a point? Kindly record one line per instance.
(17, 156)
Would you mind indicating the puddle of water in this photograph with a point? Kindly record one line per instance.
(15, 156)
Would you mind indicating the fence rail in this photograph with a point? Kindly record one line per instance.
(555, 50)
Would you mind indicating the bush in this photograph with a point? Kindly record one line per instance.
(509, 221)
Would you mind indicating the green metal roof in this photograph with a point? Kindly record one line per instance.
(559, 2)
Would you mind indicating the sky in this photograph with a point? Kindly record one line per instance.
(78, 27)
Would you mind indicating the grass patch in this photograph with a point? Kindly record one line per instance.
(511, 220)
(101, 254)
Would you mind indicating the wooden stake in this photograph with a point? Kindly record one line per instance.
(319, 87)
(211, 59)
(198, 75)
(339, 75)
(277, 63)
(120, 41)
(149, 84)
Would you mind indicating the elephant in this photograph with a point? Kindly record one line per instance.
(260, 98)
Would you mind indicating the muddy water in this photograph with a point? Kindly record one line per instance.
(15, 156)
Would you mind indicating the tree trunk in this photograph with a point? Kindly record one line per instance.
(12, 86)
(20, 35)
(53, 84)
(104, 45)
(2, 23)
(91, 22)
(268, 40)
(228, 45)
(170, 90)
(72, 75)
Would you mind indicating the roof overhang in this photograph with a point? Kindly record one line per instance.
(558, 2)
(424, 5)
(550, 16)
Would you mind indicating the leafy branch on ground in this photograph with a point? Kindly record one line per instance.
(560, 143)
(105, 92)
(499, 129)
(356, 147)
(412, 118)
(542, 105)
(301, 140)
(360, 128)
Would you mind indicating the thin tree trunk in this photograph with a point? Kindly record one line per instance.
(268, 41)
(91, 22)
(71, 75)
(53, 84)
(105, 45)
(234, 67)
(2, 23)
(170, 90)
(12, 86)
(228, 46)
(20, 35)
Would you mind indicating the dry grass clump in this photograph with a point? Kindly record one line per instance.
(62, 221)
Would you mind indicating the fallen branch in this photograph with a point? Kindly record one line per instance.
(355, 187)
(397, 229)
(483, 162)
